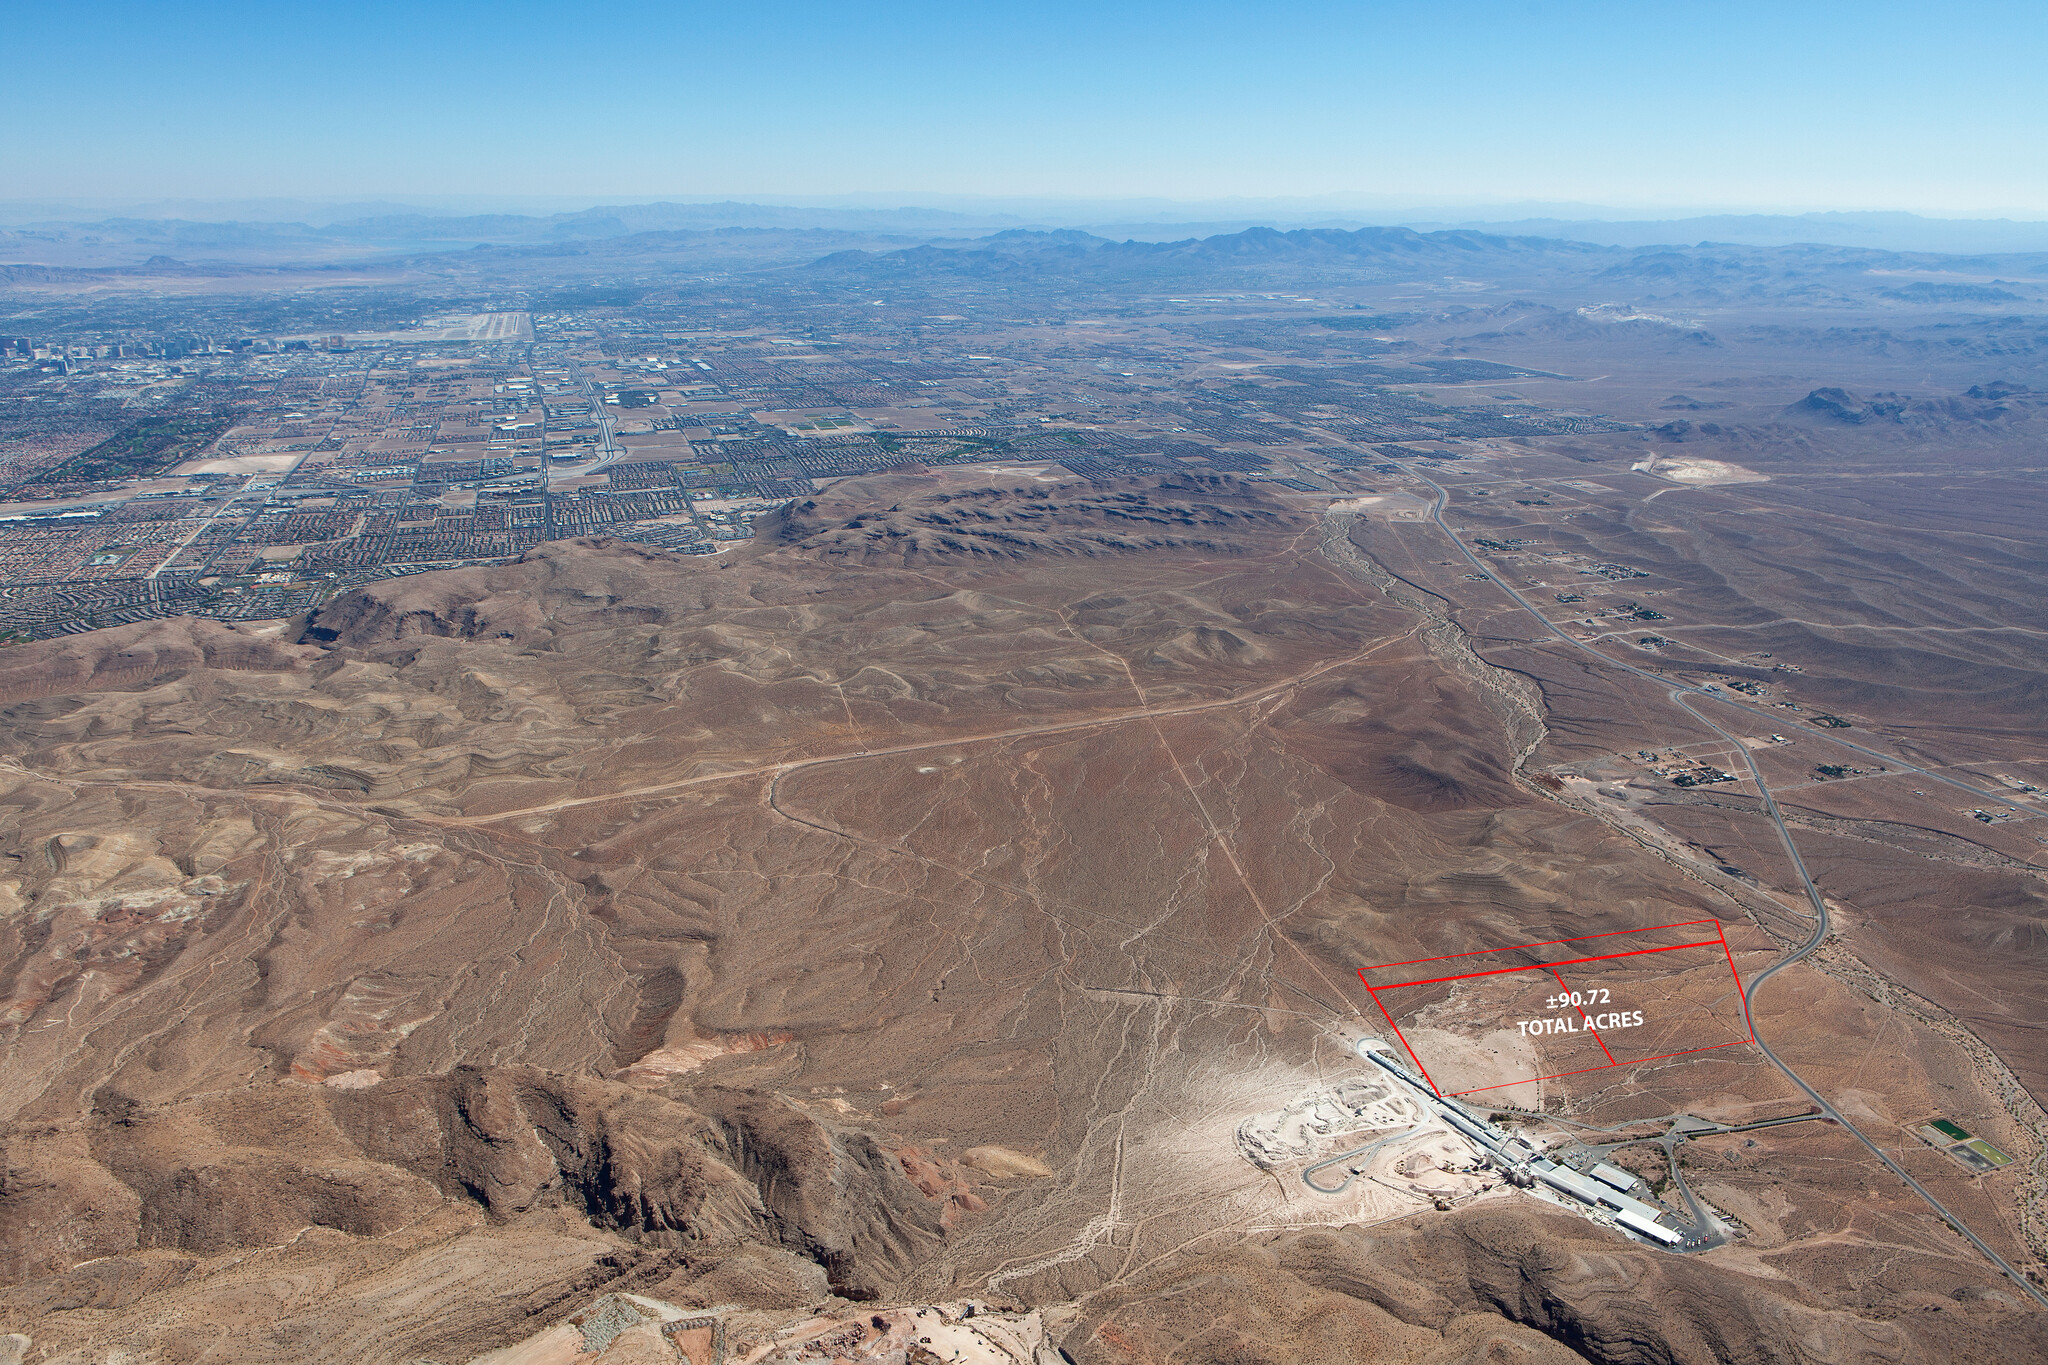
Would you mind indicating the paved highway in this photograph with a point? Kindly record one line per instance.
(1684, 696)
(608, 451)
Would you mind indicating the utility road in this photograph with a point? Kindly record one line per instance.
(788, 766)
(1684, 696)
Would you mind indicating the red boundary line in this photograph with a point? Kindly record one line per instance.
(1547, 943)
(1589, 1021)
(1637, 1061)
(1402, 1036)
(1729, 953)
(1720, 938)
(1540, 966)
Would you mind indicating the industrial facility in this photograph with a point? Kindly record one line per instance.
(1603, 1192)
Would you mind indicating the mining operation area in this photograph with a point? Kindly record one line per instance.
(786, 795)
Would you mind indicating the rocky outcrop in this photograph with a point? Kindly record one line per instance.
(231, 1172)
(1535, 1285)
(137, 656)
(1835, 406)
(514, 1137)
(1152, 512)
(1839, 405)
(518, 603)
(832, 1195)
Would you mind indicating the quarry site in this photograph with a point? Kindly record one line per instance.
(788, 796)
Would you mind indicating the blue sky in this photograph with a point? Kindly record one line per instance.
(1937, 109)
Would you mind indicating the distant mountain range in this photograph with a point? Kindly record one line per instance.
(872, 246)
(265, 225)
(1025, 252)
(1709, 268)
(1878, 231)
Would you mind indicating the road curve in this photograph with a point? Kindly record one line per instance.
(1682, 695)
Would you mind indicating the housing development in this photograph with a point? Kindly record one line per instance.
(249, 477)
(793, 794)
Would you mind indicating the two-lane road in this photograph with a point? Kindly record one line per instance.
(1684, 696)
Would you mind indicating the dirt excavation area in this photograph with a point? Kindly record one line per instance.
(929, 931)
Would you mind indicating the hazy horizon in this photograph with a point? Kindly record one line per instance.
(1479, 105)
(623, 741)
(281, 208)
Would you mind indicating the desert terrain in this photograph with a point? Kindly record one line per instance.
(938, 896)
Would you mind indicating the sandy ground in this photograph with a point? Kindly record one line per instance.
(471, 327)
(1695, 470)
(241, 464)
